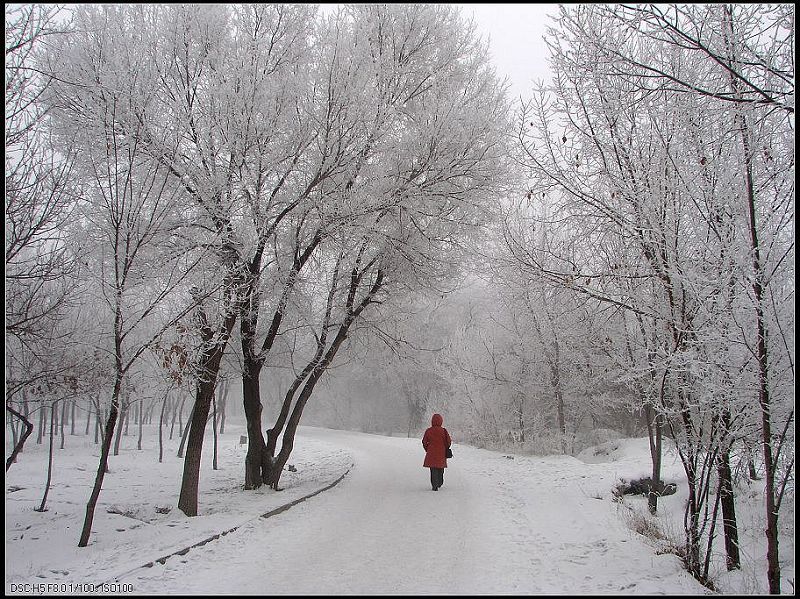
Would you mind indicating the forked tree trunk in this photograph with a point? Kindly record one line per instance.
(258, 460)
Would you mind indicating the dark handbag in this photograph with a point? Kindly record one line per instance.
(448, 453)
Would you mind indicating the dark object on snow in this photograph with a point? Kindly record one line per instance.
(436, 441)
(291, 468)
(645, 486)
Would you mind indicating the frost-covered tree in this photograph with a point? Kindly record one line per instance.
(431, 148)
(131, 218)
(646, 145)
(260, 118)
(40, 195)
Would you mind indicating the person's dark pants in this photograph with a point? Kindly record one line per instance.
(437, 477)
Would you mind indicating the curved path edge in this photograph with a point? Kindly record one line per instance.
(214, 537)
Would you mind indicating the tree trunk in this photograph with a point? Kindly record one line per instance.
(294, 420)
(185, 434)
(214, 464)
(655, 435)
(187, 502)
(122, 418)
(108, 437)
(97, 425)
(14, 428)
(63, 418)
(257, 461)
(729, 524)
(126, 414)
(757, 277)
(206, 384)
(19, 444)
(773, 565)
(161, 429)
(180, 416)
(222, 396)
(141, 419)
(178, 405)
(40, 432)
(42, 507)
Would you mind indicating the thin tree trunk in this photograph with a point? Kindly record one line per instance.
(318, 369)
(180, 416)
(185, 434)
(315, 369)
(764, 400)
(655, 434)
(554, 364)
(14, 427)
(42, 507)
(40, 432)
(97, 426)
(25, 434)
(63, 418)
(223, 406)
(102, 468)
(757, 278)
(161, 428)
(174, 405)
(214, 404)
(122, 419)
(711, 532)
(126, 415)
(141, 423)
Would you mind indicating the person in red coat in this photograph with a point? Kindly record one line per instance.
(436, 440)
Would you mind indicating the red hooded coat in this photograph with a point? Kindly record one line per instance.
(435, 440)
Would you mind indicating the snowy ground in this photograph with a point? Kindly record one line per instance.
(502, 524)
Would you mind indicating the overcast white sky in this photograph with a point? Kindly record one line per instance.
(515, 32)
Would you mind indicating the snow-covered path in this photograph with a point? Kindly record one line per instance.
(498, 525)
